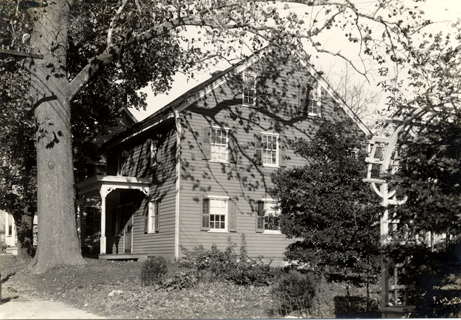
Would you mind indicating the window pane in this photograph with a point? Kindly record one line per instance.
(269, 149)
(271, 217)
(249, 92)
(218, 212)
(219, 144)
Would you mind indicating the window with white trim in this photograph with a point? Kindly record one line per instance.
(249, 88)
(215, 213)
(219, 144)
(313, 99)
(270, 149)
(152, 218)
(268, 216)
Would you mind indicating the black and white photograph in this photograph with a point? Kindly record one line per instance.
(230, 159)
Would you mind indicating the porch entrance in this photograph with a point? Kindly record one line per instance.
(103, 185)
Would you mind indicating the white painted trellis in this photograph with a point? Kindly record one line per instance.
(383, 159)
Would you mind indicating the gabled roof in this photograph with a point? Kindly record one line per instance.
(170, 110)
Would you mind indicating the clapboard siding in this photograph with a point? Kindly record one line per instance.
(163, 188)
(278, 110)
(137, 162)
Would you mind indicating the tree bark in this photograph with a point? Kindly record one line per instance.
(57, 233)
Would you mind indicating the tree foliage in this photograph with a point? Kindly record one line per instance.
(326, 205)
(18, 192)
(429, 177)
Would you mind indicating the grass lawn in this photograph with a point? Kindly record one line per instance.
(113, 289)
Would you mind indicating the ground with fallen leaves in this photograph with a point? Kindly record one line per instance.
(113, 289)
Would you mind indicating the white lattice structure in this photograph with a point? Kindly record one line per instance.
(382, 160)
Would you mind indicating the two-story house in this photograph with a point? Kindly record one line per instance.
(197, 171)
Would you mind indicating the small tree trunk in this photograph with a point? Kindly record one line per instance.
(57, 233)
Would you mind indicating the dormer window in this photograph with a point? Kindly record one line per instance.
(249, 88)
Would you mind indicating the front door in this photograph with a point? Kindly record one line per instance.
(128, 234)
(128, 227)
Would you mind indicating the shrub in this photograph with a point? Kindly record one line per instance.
(180, 280)
(251, 272)
(294, 291)
(153, 270)
(216, 265)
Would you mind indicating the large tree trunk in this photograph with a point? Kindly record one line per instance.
(57, 233)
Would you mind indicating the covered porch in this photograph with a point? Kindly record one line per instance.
(100, 187)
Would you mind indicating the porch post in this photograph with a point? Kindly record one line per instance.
(102, 243)
(5, 217)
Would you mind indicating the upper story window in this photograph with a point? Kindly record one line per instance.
(269, 150)
(219, 144)
(154, 152)
(249, 88)
(123, 163)
(314, 99)
(310, 99)
(267, 219)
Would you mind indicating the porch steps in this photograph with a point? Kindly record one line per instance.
(12, 250)
(140, 257)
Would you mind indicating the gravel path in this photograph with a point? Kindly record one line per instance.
(31, 308)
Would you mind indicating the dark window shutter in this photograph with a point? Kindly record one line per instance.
(282, 152)
(232, 149)
(205, 215)
(302, 102)
(159, 154)
(206, 143)
(146, 218)
(232, 208)
(156, 205)
(260, 217)
(258, 151)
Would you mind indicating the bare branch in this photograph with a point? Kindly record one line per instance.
(113, 22)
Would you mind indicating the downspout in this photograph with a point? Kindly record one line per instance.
(178, 181)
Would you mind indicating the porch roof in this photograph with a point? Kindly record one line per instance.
(105, 184)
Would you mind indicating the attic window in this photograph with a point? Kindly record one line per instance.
(310, 99)
(314, 101)
(249, 88)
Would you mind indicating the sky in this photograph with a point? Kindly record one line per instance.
(444, 12)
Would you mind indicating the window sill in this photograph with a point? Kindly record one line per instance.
(271, 232)
(271, 165)
(218, 231)
(152, 232)
(314, 115)
(249, 105)
(219, 161)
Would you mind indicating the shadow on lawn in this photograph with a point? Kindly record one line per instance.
(3, 301)
(356, 307)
